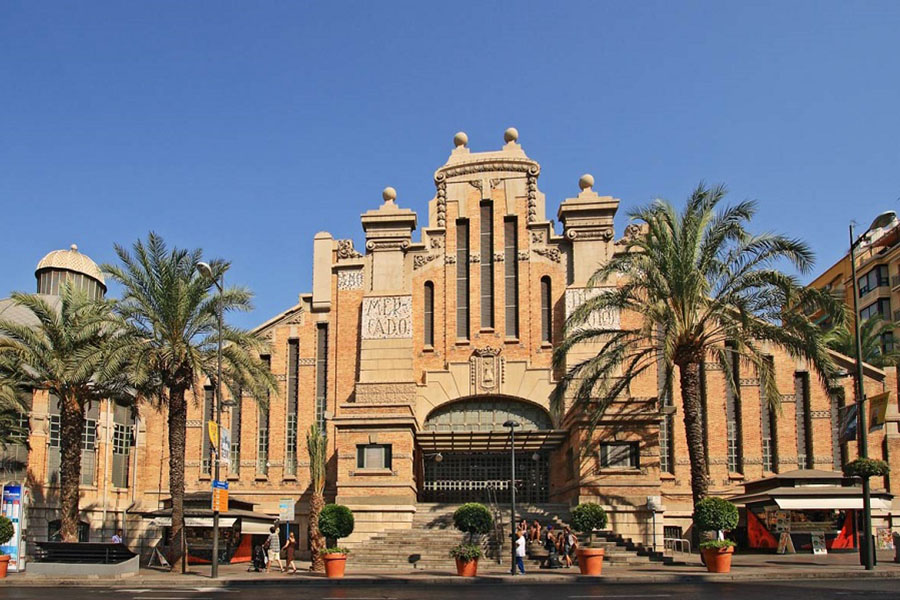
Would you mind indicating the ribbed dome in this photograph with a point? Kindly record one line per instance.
(71, 260)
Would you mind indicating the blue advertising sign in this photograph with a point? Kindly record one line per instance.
(11, 507)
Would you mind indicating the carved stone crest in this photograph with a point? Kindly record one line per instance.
(632, 231)
(449, 259)
(346, 250)
(523, 255)
(486, 370)
(420, 260)
(551, 253)
(537, 237)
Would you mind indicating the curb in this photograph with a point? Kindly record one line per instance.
(388, 580)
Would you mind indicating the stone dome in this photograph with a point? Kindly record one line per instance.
(71, 260)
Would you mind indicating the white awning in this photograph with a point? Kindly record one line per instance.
(195, 521)
(255, 527)
(829, 503)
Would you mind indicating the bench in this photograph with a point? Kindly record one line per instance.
(82, 552)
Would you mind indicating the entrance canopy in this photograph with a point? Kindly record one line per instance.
(489, 441)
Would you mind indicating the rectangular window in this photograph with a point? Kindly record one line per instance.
(88, 443)
(837, 456)
(511, 278)
(122, 442)
(428, 321)
(206, 459)
(768, 427)
(373, 456)
(546, 311)
(733, 412)
(462, 279)
(237, 417)
(882, 307)
(875, 278)
(321, 374)
(487, 266)
(619, 455)
(290, 443)
(667, 408)
(262, 430)
(804, 429)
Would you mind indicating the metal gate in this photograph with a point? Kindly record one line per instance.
(463, 477)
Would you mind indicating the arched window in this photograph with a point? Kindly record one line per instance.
(546, 311)
(428, 325)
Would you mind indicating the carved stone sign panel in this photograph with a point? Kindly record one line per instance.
(486, 371)
(387, 317)
(606, 319)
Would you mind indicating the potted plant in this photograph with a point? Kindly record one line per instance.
(6, 533)
(335, 521)
(716, 514)
(586, 518)
(474, 519)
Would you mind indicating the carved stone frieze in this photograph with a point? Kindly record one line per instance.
(378, 245)
(537, 237)
(820, 414)
(550, 253)
(350, 280)
(387, 317)
(436, 242)
(306, 362)
(440, 181)
(499, 164)
(499, 257)
(191, 423)
(420, 260)
(346, 251)
(523, 255)
(788, 398)
(605, 234)
(531, 181)
(475, 258)
(296, 318)
(373, 393)
(605, 319)
(748, 381)
(632, 231)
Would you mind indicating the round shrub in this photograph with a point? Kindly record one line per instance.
(714, 514)
(335, 521)
(466, 552)
(588, 516)
(866, 467)
(6, 529)
(716, 544)
(473, 518)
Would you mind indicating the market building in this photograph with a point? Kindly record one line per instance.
(413, 352)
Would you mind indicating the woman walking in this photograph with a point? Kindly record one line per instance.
(289, 547)
(566, 544)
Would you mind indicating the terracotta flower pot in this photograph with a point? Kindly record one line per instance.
(335, 565)
(466, 568)
(4, 565)
(718, 560)
(590, 560)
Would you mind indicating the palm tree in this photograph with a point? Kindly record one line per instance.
(316, 446)
(170, 310)
(871, 334)
(69, 351)
(702, 287)
(12, 405)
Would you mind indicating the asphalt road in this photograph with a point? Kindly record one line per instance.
(820, 590)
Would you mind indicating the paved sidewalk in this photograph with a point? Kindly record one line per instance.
(745, 567)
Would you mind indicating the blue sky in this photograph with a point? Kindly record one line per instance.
(245, 127)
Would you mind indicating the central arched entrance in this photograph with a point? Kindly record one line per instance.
(465, 451)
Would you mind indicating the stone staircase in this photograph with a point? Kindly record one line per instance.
(427, 544)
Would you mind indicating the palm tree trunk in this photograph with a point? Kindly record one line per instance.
(177, 434)
(316, 542)
(689, 374)
(71, 429)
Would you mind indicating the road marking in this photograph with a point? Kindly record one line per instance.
(626, 596)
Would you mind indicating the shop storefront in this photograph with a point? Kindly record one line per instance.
(804, 511)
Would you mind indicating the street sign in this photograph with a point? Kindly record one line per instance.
(225, 447)
(213, 434)
(220, 496)
(286, 509)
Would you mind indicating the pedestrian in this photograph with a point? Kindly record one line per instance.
(117, 537)
(573, 546)
(567, 546)
(523, 526)
(273, 547)
(535, 531)
(520, 552)
(289, 547)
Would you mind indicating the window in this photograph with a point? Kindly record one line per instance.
(290, 459)
(262, 430)
(206, 459)
(321, 374)
(237, 417)
(546, 312)
(619, 455)
(881, 307)
(487, 266)
(667, 408)
(837, 455)
(462, 279)
(733, 412)
(373, 456)
(511, 278)
(804, 429)
(428, 325)
(876, 277)
(768, 427)
(122, 442)
(14, 457)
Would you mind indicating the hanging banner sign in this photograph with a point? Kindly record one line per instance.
(213, 434)
(225, 447)
(848, 423)
(877, 410)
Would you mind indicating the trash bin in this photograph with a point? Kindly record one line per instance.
(896, 537)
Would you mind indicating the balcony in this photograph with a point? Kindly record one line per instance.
(895, 282)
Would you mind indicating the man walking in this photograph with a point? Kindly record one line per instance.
(520, 552)
(273, 546)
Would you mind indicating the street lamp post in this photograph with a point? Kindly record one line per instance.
(207, 272)
(512, 488)
(866, 553)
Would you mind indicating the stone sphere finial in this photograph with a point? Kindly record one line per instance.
(460, 139)
(389, 194)
(74, 247)
(511, 135)
(586, 181)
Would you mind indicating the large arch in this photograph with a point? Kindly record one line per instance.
(486, 414)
